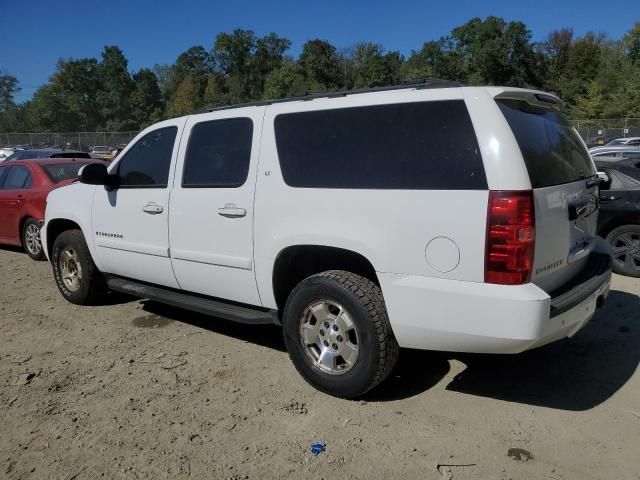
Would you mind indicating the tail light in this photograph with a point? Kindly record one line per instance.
(510, 237)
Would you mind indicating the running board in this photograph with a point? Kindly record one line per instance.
(194, 302)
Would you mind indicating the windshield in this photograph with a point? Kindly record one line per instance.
(62, 171)
(551, 147)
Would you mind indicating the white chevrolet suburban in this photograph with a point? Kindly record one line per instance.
(430, 216)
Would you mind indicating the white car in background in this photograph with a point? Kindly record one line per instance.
(102, 151)
(616, 152)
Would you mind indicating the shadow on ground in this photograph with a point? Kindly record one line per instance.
(265, 335)
(574, 374)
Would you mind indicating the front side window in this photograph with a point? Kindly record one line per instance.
(17, 178)
(218, 154)
(414, 146)
(146, 164)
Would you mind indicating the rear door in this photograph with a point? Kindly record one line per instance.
(565, 195)
(211, 219)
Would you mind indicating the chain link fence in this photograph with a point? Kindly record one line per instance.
(73, 140)
(600, 131)
(594, 132)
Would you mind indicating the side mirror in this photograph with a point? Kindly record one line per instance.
(604, 178)
(94, 174)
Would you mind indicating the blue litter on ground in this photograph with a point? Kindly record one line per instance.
(317, 448)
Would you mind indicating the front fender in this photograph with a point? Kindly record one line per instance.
(73, 203)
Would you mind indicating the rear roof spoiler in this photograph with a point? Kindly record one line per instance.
(537, 99)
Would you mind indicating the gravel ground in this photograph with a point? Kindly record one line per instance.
(136, 389)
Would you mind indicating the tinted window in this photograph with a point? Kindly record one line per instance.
(17, 177)
(218, 153)
(147, 163)
(426, 145)
(550, 146)
(3, 171)
(633, 155)
(63, 171)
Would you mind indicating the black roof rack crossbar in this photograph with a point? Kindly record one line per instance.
(304, 96)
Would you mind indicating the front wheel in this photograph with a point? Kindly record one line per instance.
(77, 277)
(625, 249)
(338, 335)
(31, 239)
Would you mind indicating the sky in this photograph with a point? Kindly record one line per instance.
(34, 34)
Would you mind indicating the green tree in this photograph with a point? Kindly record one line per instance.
(146, 99)
(374, 68)
(186, 100)
(495, 52)
(215, 93)
(10, 114)
(436, 59)
(631, 42)
(285, 81)
(8, 89)
(115, 87)
(245, 61)
(320, 64)
(591, 105)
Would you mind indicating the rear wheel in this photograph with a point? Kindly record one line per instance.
(625, 249)
(31, 239)
(337, 333)
(76, 275)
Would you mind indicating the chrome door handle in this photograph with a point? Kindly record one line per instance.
(152, 208)
(231, 211)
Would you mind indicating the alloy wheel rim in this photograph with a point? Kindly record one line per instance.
(32, 239)
(70, 269)
(329, 337)
(625, 250)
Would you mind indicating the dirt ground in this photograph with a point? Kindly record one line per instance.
(141, 390)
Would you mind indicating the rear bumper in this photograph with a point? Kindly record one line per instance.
(450, 315)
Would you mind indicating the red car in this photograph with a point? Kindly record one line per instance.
(24, 186)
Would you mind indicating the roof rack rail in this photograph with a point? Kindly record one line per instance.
(304, 96)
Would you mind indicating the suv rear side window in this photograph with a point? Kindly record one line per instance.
(422, 145)
(146, 164)
(218, 154)
(551, 148)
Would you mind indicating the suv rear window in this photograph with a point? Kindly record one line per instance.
(550, 146)
(422, 145)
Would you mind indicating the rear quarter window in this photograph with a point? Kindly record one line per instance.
(552, 150)
(422, 145)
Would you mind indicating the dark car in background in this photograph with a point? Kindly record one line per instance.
(46, 153)
(24, 186)
(619, 220)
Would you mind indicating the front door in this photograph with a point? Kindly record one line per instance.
(211, 219)
(130, 221)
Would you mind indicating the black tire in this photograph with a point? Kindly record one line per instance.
(91, 285)
(625, 249)
(362, 300)
(31, 242)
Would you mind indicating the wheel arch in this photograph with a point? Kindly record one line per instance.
(55, 227)
(294, 263)
(616, 222)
